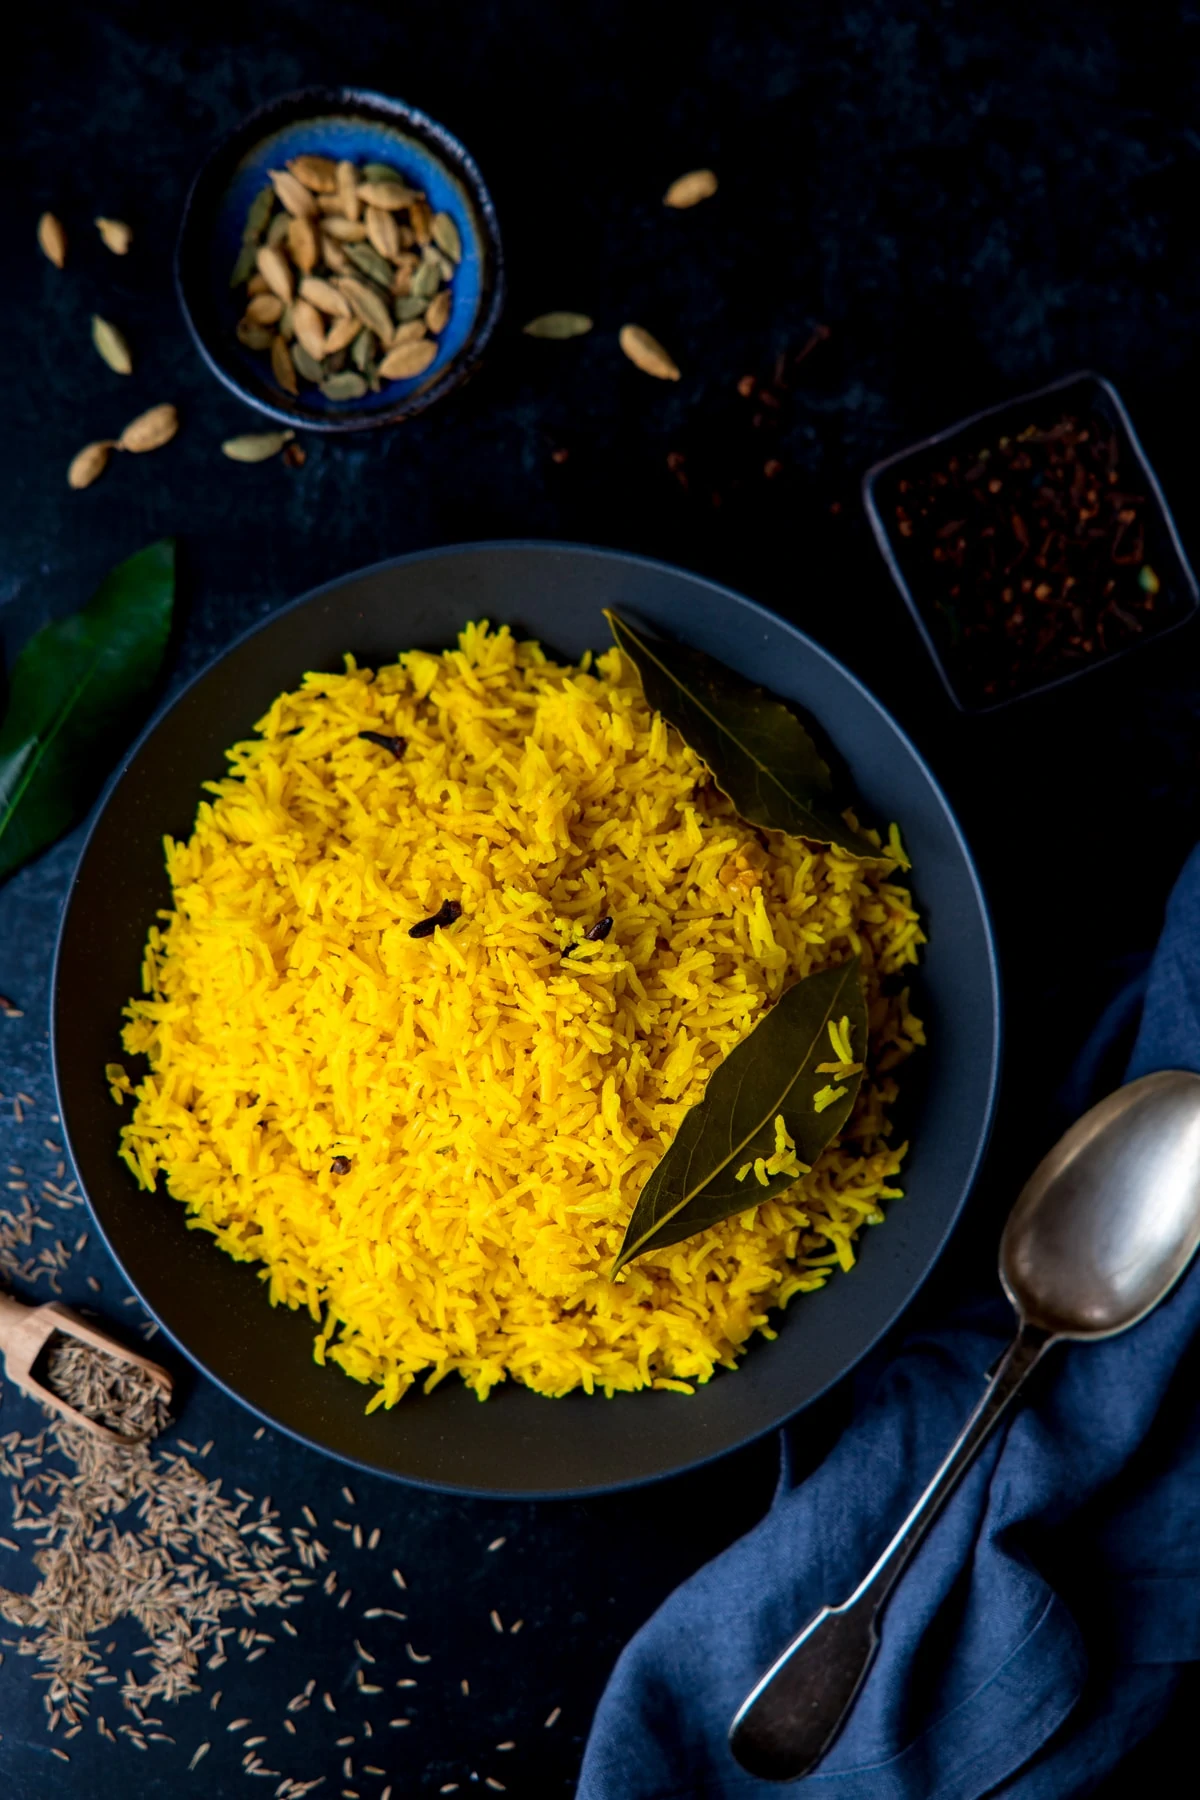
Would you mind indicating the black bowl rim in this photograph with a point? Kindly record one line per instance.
(994, 1050)
(456, 156)
(883, 537)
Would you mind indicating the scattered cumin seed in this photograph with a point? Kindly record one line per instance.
(398, 1578)
(358, 1537)
(327, 1702)
(555, 1716)
(239, 1724)
(495, 1618)
(373, 1540)
(513, 1629)
(345, 1599)
(508, 1744)
(496, 1543)
(414, 1657)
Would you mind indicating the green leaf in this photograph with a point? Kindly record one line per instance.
(73, 701)
(773, 1071)
(758, 752)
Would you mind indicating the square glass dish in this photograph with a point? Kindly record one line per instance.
(1031, 542)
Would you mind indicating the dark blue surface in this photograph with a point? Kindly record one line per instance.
(975, 201)
(1042, 1626)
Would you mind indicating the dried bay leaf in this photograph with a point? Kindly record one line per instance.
(346, 386)
(690, 189)
(772, 1073)
(256, 446)
(150, 430)
(445, 236)
(52, 239)
(558, 325)
(757, 749)
(115, 235)
(89, 464)
(75, 694)
(111, 345)
(647, 353)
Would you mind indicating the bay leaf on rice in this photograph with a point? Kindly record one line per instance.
(774, 1072)
(758, 750)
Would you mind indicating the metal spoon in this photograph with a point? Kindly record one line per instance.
(1101, 1232)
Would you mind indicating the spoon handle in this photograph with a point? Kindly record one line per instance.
(785, 1726)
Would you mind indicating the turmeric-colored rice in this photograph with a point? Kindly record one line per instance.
(499, 1105)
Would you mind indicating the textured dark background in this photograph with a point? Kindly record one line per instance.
(974, 201)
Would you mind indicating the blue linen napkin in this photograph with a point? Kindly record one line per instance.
(1037, 1636)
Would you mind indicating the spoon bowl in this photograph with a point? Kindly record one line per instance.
(1110, 1218)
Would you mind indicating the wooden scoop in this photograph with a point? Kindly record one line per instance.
(25, 1332)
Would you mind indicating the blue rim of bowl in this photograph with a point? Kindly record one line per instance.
(995, 1048)
(211, 340)
(1158, 499)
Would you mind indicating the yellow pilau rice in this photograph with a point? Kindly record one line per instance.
(500, 1105)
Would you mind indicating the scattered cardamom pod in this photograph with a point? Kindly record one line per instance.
(404, 361)
(115, 235)
(256, 446)
(111, 345)
(647, 353)
(558, 325)
(89, 464)
(445, 236)
(333, 278)
(150, 430)
(346, 386)
(690, 189)
(52, 239)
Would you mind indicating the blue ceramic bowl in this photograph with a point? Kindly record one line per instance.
(361, 127)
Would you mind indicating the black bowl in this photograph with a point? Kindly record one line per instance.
(364, 127)
(215, 1310)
